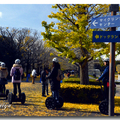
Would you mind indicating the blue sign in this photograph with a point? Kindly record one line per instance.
(104, 22)
(106, 36)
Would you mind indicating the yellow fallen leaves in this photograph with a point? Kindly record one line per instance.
(35, 104)
(82, 107)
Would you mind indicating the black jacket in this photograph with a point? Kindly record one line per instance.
(105, 76)
(43, 76)
(55, 84)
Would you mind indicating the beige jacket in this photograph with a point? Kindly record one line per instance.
(3, 72)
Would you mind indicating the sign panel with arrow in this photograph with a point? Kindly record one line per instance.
(104, 22)
(106, 36)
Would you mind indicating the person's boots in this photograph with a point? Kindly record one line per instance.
(33, 80)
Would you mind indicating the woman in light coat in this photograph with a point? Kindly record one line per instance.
(16, 83)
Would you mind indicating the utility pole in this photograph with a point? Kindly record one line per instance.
(113, 9)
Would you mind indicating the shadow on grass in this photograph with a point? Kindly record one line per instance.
(117, 114)
(25, 104)
(78, 110)
(83, 111)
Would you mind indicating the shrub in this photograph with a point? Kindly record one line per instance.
(77, 80)
(76, 93)
(72, 80)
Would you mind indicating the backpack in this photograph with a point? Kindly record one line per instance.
(17, 74)
(60, 75)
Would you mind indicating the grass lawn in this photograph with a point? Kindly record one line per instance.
(35, 104)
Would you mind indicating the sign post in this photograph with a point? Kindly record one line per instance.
(99, 36)
(113, 9)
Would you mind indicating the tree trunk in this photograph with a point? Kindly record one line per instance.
(84, 78)
(78, 71)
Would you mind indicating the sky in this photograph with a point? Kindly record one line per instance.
(30, 14)
(25, 15)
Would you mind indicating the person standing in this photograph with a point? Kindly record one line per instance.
(44, 82)
(34, 73)
(105, 78)
(55, 84)
(16, 74)
(3, 76)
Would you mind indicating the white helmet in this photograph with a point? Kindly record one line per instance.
(106, 60)
(55, 60)
(3, 64)
(17, 61)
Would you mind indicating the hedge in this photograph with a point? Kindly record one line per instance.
(77, 80)
(77, 93)
(72, 80)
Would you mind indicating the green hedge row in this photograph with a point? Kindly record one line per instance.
(76, 93)
(77, 80)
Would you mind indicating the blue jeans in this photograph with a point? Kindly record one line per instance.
(44, 88)
(55, 94)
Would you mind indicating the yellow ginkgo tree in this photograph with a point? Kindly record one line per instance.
(71, 35)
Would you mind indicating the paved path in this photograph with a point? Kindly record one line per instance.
(117, 90)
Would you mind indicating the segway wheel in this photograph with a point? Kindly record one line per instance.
(7, 92)
(23, 97)
(60, 103)
(103, 107)
(10, 98)
(50, 103)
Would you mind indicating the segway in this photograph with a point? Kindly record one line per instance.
(103, 106)
(4, 93)
(16, 99)
(51, 103)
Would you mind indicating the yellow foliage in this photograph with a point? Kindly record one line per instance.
(51, 54)
(70, 32)
(78, 86)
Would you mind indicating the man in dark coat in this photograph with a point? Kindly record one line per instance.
(105, 78)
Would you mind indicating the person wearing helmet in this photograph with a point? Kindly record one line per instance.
(16, 74)
(3, 76)
(105, 77)
(55, 84)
